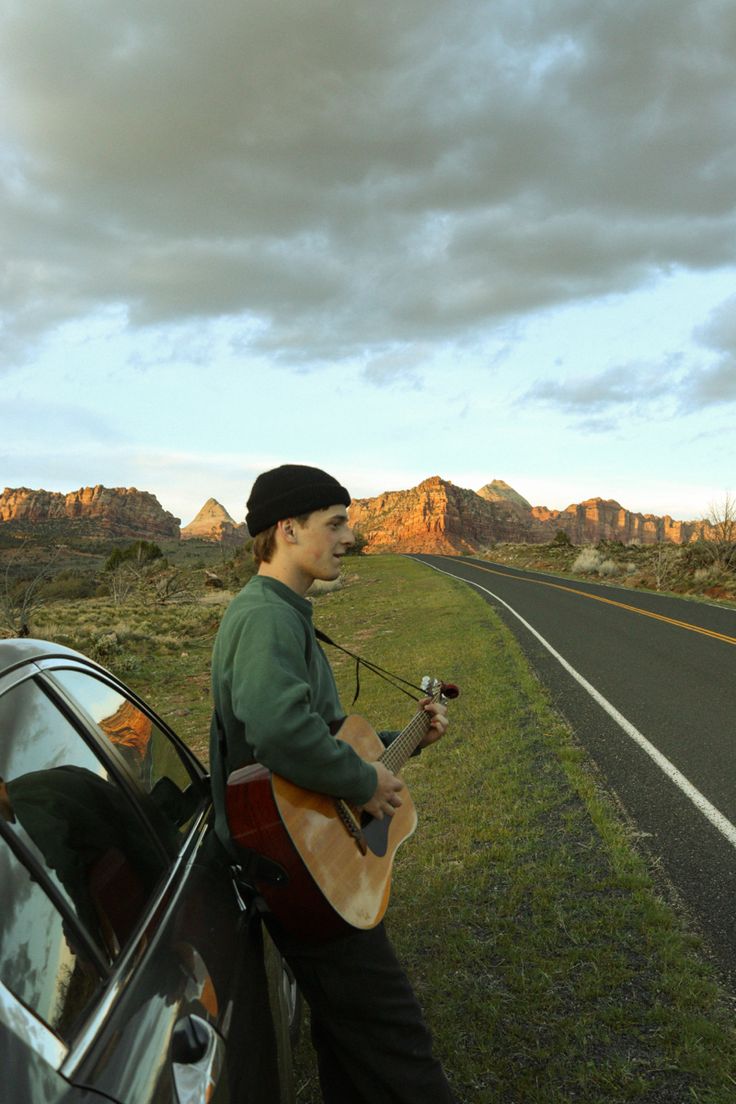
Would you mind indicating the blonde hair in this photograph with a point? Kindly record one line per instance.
(264, 543)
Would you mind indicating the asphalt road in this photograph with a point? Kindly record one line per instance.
(648, 685)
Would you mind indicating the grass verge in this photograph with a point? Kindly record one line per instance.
(549, 968)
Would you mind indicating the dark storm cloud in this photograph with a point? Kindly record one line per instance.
(351, 176)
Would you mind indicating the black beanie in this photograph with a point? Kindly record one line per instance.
(289, 491)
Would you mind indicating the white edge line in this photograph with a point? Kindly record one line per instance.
(716, 818)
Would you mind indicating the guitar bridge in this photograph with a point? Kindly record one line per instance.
(352, 824)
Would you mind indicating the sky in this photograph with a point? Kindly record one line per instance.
(492, 239)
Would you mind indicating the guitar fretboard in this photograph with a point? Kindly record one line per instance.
(408, 740)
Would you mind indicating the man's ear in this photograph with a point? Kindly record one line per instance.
(286, 528)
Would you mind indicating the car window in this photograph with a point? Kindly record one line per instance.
(39, 961)
(158, 768)
(75, 821)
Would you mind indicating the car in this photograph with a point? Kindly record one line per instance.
(133, 964)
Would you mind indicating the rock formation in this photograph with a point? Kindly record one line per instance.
(437, 516)
(213, 523)
(499, 491)
(98, 511)
(605, 519)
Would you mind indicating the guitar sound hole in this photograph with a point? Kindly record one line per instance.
(375, 833)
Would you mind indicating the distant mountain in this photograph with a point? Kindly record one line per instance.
(437, 516)
(213, 523)
(605, 519)
(91, 511)
(498, 491)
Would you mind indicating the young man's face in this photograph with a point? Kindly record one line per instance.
(322, 542)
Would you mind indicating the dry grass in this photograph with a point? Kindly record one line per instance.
(550, 970)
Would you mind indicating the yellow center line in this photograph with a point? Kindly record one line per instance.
(610, 602)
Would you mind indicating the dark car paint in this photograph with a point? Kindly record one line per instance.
(198, 953)
(26, 1078)
(129, 1059)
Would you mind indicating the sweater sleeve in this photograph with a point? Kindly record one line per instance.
(272, 697)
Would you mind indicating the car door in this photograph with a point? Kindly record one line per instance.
(114, 814)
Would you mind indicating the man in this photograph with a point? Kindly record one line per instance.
(276, 703)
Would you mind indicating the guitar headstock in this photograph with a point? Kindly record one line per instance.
(434, 688)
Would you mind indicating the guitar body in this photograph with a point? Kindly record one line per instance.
(334, 884)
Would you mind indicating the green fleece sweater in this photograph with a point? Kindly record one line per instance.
(275, 695)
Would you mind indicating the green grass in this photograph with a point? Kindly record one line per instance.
(550, 968)
(163, 652)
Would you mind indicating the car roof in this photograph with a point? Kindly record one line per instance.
(15, 652)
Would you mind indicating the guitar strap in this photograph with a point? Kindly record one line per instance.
(387, 676)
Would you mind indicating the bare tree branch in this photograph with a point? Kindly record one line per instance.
(720, 537)
(21, 599)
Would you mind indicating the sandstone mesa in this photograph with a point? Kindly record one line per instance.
(115, 511)
(435, 516)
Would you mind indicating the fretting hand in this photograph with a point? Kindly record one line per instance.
(438, 724)
(385, 800)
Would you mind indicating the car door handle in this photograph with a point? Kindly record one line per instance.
(197, 1053)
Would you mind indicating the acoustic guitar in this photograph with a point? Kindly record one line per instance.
(332, 862)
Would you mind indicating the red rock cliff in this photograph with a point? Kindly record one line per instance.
(437, 516)
(605, 519)
(115, 511)
(213, 523)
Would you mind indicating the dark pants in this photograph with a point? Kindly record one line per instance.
(372, 1044)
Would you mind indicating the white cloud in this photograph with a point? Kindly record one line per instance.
(715, 383)
(614, 387)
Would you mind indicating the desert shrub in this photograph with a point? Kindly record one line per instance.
(71, 585)
(169, 585)
(607, 568)
(104, 646)
(611, 546)
(561, 540)
(587, 562)
(140, 552)
(21, 591)
(697, 555)
(358, 547)
(120, 581)
(325, 586)
(241, 567)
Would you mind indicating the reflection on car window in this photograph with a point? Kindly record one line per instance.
(153, 758)
(39, 962)
(74, 819)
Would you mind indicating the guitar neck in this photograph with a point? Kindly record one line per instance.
(408, 740)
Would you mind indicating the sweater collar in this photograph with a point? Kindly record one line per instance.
(265, 582)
